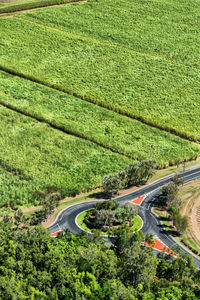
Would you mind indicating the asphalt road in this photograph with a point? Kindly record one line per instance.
(67, 217)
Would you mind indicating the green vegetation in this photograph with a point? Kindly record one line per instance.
(172, 203)
(107, 215)
(125, 67)
(16, 5)
(120, 216)
(155, 80)
(34, 157)
(109, 129)
(133, 175)
(80, 221)
(36, 266)
(137, 222)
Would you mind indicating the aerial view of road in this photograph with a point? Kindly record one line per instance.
(151, 224)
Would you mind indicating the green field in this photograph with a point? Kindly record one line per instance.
(160, 86)
(107, 128)
(17, 5)
(118, 81)
(34, 156)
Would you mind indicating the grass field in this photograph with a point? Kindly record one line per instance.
(122, 91)
(33, 156)
(160, 87)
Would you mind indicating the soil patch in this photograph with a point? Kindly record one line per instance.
(195, 218)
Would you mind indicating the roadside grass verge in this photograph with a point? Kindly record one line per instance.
(189, 194)
(45, 157)
(118, 133)
(149, 87)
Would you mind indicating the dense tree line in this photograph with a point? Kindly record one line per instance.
(36, 266)
(134, 174)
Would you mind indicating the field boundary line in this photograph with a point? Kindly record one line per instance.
(62, 129)
(11, 12)
(74, 94)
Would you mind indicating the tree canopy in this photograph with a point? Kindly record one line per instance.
(36, 266)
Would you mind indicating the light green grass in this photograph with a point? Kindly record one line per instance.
(135, 70)
(33, 156)
(80, 221)
(107, 128)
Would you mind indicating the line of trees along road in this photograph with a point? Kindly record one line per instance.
(134, 174)
(171, 202)
(36, 266)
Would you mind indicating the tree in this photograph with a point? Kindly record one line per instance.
(132, 210)
(138, 264)
(181, 222)
(178, 179)
(18, 218)
(123, 237)
(133, 174)
(105, 218)
(168, 194)
(49, 203)
(111, 184)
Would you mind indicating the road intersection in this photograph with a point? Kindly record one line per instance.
(147, 195)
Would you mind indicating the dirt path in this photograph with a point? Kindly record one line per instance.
(38, 7)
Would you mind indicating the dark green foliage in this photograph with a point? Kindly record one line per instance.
(108, 205)
(111, 184)
(108, 213)
(36, 266)
(133, 174)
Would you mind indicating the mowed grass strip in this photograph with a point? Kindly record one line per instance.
(45, 157)
(148, 88)
(107, 128)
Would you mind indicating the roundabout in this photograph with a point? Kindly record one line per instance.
(137, 223)
(151, 223)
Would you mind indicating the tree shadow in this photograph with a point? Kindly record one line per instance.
(99, 195)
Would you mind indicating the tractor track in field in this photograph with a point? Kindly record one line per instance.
(39, 7)
(74, 94)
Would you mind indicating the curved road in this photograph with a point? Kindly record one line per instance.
(151, 223)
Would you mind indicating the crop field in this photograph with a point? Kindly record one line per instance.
(7, 6)
(107, 128)
(161, 89)
(92, 86)
(34, 156)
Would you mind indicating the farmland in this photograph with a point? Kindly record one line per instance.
(107, 128)
(33, 156)
(161, 89)
(7, 6)
(83, 100)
